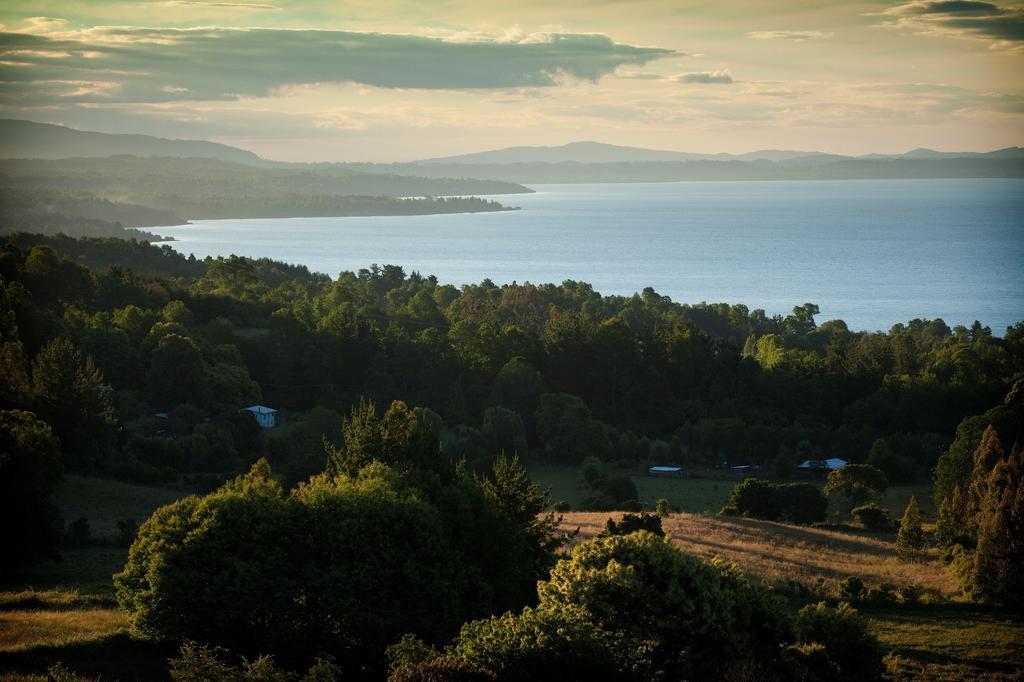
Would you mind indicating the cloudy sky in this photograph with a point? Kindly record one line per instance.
(381, 80)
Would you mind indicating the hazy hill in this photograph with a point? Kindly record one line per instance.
(597, 152)
(30, 140)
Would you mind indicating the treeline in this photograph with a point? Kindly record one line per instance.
(208, 207)
(556, 371)
(697, 170)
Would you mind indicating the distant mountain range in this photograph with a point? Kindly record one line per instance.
(573, 162)
(597, 152)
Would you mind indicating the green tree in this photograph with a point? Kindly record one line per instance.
(998, 567)
(911, 536)
(177, 373)
(398, 438)
(858, 483)
(71, 397)
(30, 469)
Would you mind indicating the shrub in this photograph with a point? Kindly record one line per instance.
(691, 619)
(556, 642)
(200, 663)
(562, 506)
(792, 502)
(873, 517)
(753, 497)
(801, 503)
(845, 636)
(810, 663)
(632, 523)
(662, 508)
(443, 669)
(858, 483)
(852, 589)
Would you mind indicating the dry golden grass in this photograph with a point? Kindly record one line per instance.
(779, 552)
(25, 630)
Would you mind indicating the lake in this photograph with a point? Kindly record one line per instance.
(870, 252)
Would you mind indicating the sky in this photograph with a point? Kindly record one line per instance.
(399, 80)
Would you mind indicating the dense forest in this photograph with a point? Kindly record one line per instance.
(558, 372)
(386, 526)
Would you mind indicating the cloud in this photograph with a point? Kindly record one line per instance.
(231, 5)
(220, 64)
(961, 19)
(705, 77)
(790, 35)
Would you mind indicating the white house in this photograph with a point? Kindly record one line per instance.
(265, 416)
(667, 472)
(826, 464)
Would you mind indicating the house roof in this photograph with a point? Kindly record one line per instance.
(258, 409)
(831, 463)
(665, 469)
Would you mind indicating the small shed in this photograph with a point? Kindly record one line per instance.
(265, 416)
(667, 472)
(744, 471)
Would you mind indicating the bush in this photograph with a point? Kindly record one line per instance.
(845, 636)
(195, 663)
(632, 523)
(792, 502)
(753, 497)
(873, 517)
(911, 536)
(443, 669)
(662, 508)
(548, 643)
(689, 618)
(852, 589)
(801, 503)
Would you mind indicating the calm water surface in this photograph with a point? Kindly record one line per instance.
(872, 253)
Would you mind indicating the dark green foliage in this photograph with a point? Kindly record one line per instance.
(127, 531)
(846, 637)
(683, 618)
(30, 469)
(631, 523)
(753, 497)
(792, 502)
(801, 503)
(852, 589)
(343, 565)
(70, 395)
(543, 644)
(858, 483)
(443, 669)
(202, 663)
(662, 508)
(998, 569)
(398, 438)
(873, 517)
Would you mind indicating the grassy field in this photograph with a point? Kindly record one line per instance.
(65, 612)
(943, 641)
(702, 495)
